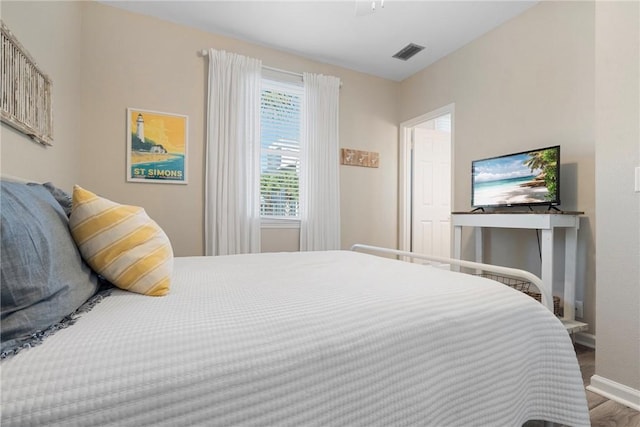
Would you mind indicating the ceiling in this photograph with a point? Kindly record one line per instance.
(347, 33)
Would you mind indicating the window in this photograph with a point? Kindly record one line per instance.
(281, 119)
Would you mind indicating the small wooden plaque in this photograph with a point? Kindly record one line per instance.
(367, 159)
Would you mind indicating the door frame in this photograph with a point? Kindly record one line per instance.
(405, 171)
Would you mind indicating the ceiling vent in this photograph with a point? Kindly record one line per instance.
(408, 51)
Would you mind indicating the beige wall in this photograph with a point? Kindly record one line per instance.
(526, 84)
(51, 34)
(98, 72)
(152, 64)
(617, 85)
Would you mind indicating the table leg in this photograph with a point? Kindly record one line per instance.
(457, 245)
(570, 262)
(547, 263)
(479, 245)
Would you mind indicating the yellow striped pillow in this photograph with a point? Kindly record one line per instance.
(121, 243)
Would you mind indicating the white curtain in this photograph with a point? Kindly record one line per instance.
(319, 173)
(232, 172)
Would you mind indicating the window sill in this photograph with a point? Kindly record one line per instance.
(279, 223)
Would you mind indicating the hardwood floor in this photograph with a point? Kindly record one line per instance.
(603, 412)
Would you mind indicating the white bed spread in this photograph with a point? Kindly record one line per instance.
(332, 338)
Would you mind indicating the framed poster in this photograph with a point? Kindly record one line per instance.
(156, 147)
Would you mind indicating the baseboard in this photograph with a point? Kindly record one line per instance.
(615, 391)
(585, 339)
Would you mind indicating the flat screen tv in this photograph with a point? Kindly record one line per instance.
(520, 179)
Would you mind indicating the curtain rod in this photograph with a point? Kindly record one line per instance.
(205, 52)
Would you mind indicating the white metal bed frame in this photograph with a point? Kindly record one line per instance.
(571, 325)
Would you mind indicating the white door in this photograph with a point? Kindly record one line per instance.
(431, 189)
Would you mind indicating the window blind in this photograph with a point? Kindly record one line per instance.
(281, 119)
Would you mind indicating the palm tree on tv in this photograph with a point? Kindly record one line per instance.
(545, 160)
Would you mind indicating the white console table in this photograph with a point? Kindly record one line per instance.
(547, 222)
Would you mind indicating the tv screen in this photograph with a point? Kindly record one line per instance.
(520, 179)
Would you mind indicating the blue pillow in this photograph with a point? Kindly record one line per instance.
(43, 277)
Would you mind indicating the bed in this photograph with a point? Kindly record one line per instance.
(335, 338)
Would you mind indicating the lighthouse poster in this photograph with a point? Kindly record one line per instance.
(156, 147)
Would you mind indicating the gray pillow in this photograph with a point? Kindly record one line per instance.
(60, 195)
(43, 277)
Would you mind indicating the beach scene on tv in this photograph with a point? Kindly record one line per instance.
(527, 178)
